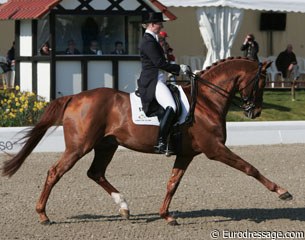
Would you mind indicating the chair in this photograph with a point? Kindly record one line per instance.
(273, 73)
(301, 64)
(262, 59)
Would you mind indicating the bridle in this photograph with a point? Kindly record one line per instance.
(248, 102)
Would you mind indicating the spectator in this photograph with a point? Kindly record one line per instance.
(94, 48)
(250, 47)
(90, 32)
(45, 49)
(71, 50)
(286, 63)
(168, 51)
(118, 48)
(10, 58)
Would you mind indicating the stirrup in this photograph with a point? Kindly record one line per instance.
(160, 148)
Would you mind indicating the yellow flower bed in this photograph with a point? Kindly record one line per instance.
(20, 108)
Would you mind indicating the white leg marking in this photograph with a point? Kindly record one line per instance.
(119, 199)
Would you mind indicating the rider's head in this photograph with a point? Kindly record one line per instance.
(153, 21)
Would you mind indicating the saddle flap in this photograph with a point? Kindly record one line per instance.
(140, 118)
(176, 95)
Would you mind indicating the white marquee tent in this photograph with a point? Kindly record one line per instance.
(219, 20)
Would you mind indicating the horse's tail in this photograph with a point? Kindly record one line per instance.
(52, 116)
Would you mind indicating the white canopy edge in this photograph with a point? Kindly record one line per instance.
(262, 5)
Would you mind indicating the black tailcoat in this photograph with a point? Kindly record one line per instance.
(153, 59)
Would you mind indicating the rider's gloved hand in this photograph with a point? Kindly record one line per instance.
(185, 69)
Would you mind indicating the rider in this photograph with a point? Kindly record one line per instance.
(152, 83)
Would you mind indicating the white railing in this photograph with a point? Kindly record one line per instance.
(238, 134)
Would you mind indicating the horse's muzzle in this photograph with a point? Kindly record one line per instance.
(252, 113)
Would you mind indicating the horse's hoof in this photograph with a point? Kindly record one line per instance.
(173, 223)
(124, 213)
(286, 196)
(46, 222)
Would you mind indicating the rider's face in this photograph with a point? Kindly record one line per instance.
(157, 27)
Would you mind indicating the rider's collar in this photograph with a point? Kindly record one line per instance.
(152, 33)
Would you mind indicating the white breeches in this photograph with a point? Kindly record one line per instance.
(163, 94)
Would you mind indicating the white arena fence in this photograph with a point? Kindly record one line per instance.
(238, 134)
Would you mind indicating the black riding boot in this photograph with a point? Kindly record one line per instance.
(165, 126)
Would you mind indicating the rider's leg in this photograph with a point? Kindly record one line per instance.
(165, 99)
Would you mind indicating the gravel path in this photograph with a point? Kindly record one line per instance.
(210, 197)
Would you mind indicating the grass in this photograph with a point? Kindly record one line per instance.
(277, 106)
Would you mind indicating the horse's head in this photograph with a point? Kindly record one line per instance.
(252, 89)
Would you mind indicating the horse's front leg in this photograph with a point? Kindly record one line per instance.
(228, 157)
(178, 171)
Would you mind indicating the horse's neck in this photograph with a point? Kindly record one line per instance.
(217, 93)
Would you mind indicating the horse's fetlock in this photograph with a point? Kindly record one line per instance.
(40, 209)
(163, 214)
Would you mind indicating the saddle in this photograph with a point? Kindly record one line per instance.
(158, 109)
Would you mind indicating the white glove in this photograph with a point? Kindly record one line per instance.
(185, 69)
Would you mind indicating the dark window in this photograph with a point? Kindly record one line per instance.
(105, 31)
(271, 21)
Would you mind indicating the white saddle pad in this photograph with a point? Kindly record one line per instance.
(139, 117)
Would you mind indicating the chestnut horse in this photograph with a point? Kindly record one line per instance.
(100, 119)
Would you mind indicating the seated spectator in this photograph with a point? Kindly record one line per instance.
(94, 48)
(118, 48)
(286, 63)
(71, 50)
(45, 49)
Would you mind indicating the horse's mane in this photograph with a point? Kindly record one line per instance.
(209, 68)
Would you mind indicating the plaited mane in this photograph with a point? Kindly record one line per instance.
(222, 61)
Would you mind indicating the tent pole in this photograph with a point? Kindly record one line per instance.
(269, 43)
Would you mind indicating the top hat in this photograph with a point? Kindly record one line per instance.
(152, 17)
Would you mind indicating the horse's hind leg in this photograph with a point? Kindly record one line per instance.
(64, 164)
(228, 157)
(103, 155)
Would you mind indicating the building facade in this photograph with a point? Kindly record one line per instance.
(58, 23)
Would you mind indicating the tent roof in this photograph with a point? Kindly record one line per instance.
(262, 5)
(32, 9)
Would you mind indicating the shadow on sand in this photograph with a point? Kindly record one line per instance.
(254, 214)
